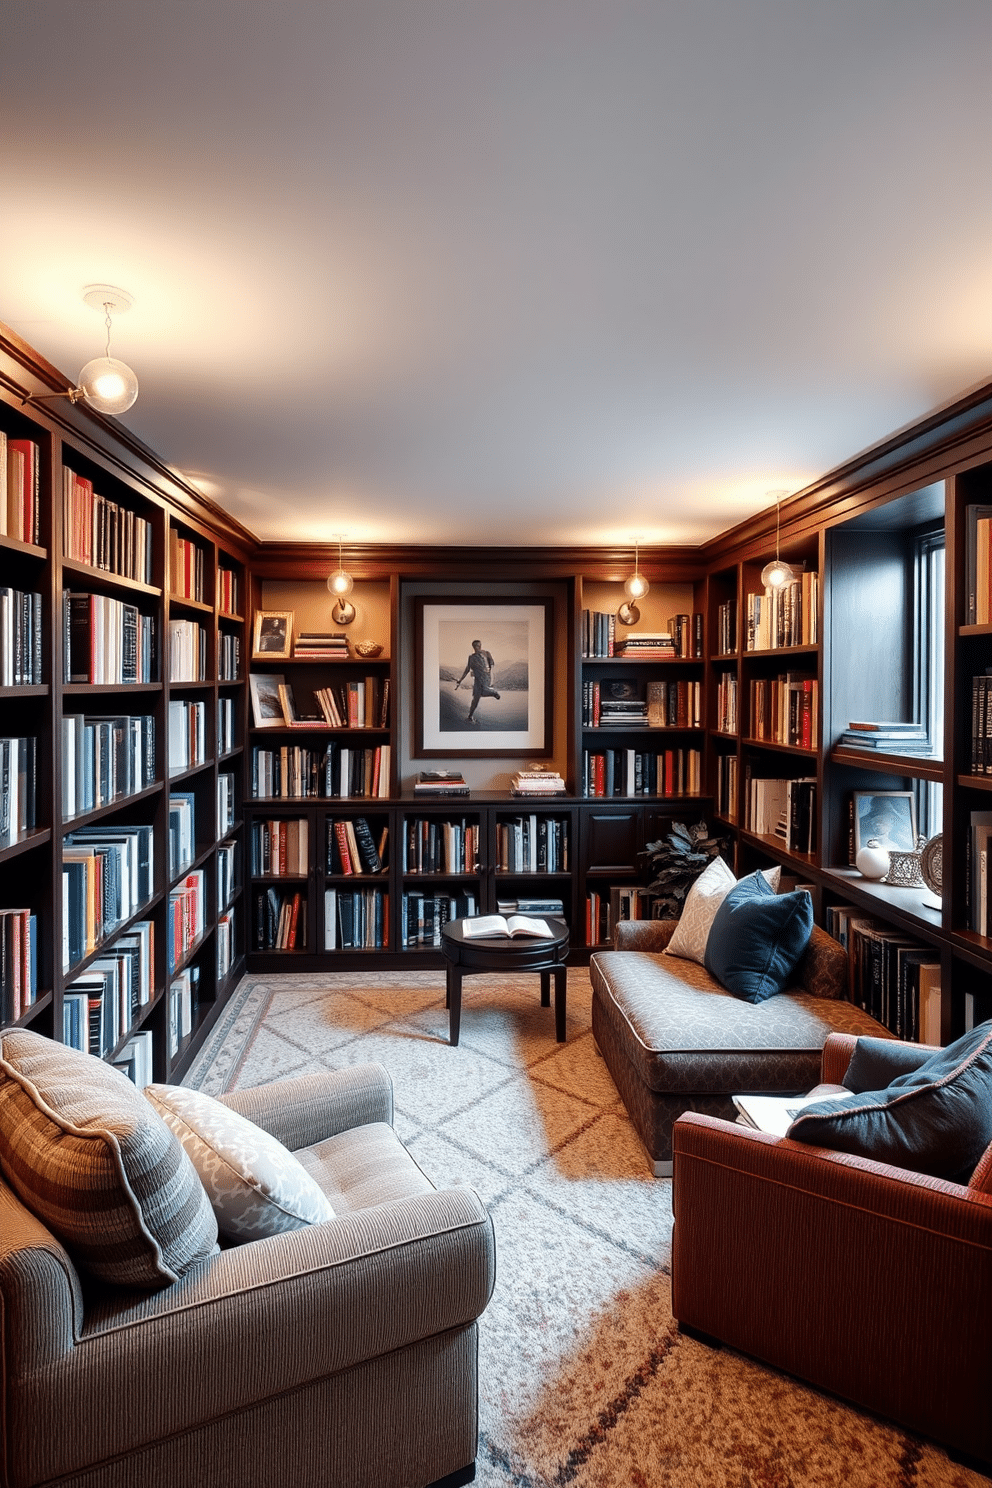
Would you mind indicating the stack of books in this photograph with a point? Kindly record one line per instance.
(887, 738)
(617, 712)
(648, 645)
(537, 783)
(315, 645)
(440, 783)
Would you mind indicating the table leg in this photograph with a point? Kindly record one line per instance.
(545, 989)
(561, 982)
(454, 1001)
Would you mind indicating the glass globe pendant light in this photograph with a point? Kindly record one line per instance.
(637, 585)
(340, 584)
(104, 384)
(777, 573)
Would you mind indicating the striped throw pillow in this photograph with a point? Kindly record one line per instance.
(85, 1152)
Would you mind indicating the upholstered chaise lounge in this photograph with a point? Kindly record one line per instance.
(675, 1040)
(340, 1354)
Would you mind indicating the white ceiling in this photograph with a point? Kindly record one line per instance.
(505, 271)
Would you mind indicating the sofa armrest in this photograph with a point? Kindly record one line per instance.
(823, 970)
(848, 1273)
(41, 1313)
(291, 1309)
(311, 1108)
(643, 935)
(838, 1052)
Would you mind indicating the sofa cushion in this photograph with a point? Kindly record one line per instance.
(757, 938)
(255, 1184)
(936, 1119)
(703, 900)
(85, 1152)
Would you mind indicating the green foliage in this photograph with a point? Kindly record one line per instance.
(676, 861)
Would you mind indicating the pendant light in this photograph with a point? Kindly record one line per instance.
(777, 573)
(635, 588)
(105, 384)
(340, 584)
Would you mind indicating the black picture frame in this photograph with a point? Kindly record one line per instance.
(512, 715)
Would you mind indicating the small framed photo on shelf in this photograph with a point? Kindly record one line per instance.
(266, 699)
(887, 817)
(272, 639)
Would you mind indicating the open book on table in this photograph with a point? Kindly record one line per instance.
(776, 1113)
(489, 926)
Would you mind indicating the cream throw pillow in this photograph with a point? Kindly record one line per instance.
(701, 904)
(255, 1184)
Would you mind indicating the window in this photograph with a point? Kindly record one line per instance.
(929, 665)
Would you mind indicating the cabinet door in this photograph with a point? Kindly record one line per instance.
(611, 839)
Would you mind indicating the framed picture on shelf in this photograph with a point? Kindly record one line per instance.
(888, 817)
(272, 638)
(266, 699)
(483, 677)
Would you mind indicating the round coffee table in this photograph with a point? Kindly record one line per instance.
(465, 956)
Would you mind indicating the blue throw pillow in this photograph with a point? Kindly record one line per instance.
(936, 1119)
(757, 937)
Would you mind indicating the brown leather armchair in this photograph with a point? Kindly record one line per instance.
(868, 1281)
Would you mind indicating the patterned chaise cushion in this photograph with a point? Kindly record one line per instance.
(85, 1152)
(255, 1184)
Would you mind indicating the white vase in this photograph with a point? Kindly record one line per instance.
(872, 860)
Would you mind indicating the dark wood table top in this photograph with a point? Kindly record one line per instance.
(522, 950)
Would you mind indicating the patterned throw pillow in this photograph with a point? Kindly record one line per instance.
(85, 1152)
(255, 1184)
(701, 904)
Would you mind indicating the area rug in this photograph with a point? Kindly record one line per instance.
(584, 1377)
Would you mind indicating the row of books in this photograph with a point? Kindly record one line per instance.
(225, 944)
(353, 847)
(187, 734)
(727, 719)
(136, 1058)
(357, 704)
(187, 651)
(228, 657)
(186, 917)
(182, 831)
(726, 628)
(532, 844)
(18, 963)
(634, 772)
(727, 777)
(226, 738)
(647, 645)
(598, 633)
(980, 872)
(293, 771)
(225, 804)
(187, 564)
(102, 1003)
(184, 1007)
(424, 915)
(280, 919)
(978, 565)
(531, 904)
(227, 591)
(664, 704)
(683, 639)
(107, 875)
(107, 641)
(434, 846)
(105, 759)
(18, 788)
(598, 919)
(356, 919)
(785, 709)
(100, 533)
(20, 484)
(280, 848)
(892, 976)
(227, 875)
(20, 639)
(785, 809)
(981, 723)
(784, 617)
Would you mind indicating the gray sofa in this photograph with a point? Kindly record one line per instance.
(674, 1040)
(341, 1355)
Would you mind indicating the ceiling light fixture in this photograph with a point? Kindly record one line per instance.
(635, 588)
(340, 584)
(777, 573)
(106, 384)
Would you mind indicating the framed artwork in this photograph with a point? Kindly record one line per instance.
(483, 677)
(887, 816)
(272, 638)
(266, 699)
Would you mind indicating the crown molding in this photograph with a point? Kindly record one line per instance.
(672, 564)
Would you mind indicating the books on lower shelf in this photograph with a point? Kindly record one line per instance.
(599, 924)
(532, 844)
(636, 772)
(727, 775)
(18, 963)
(187, 651)
(187, 734)
(980, 872)
(227, 875)
(785, 809)
(432, 845)
(424, 915)
(225, 803)
(184, 1007)
(20, 487)
(787, 616)
(105, 759)
(628, 902)
(893, 976)
(102, 1003)
(182, 831)
(18, 788)
(440, 783)
(356, 919)
(225, 943)
(280, 919)
(102, 534)
(785, 709)
(107, 642)
(107, 875)
(225, 726)
(337, 770)
(185, 920)
(136, 1058)
(280, 848)
(353, 847)
(532, 905)
(20, 639)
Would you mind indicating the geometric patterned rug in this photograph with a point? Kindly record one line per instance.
(584, 1377)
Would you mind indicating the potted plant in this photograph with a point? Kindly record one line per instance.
(676, 861)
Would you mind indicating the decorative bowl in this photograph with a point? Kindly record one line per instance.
(368, 649)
